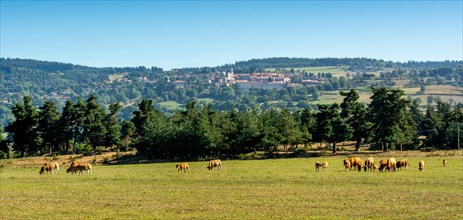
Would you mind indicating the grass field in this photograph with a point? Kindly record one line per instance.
(256, 189)
(113, 77)
(171, 105)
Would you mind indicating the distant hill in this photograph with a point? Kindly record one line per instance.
(286, 62)
(56, 81)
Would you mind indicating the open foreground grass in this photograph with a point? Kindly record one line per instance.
(256, 189)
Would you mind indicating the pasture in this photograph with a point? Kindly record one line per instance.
(254, 189)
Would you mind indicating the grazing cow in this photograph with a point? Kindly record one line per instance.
(402, 164)
(80, 169)
(317, 166)
(356, 162)
(391, 164)
(325, 165)
(49, 168)
(374, 167)
(215, 163)
(182, 167)
(444, 162)
(56, 166)
(72, 169)
(347, 164)
(382, 165)
(74, 163)
(421, 165)
(369, 164)
(46, 168)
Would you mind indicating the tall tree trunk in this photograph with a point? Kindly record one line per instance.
(334, 147)
(401, 146)
(357, 144)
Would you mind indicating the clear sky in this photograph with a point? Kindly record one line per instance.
(173, 34)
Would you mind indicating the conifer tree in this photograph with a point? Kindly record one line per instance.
(24, 128)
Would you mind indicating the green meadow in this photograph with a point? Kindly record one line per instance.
(244, 189)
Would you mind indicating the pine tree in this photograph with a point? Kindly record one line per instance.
(113, 127)
(355, 114)
(47, 125)
(341, 131)
(93, 129)
(389, 113)
(127, 133)
(66, 125)
(24, 128)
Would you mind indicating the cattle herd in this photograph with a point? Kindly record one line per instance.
(350, 163)
(75, 168)
(384, 165)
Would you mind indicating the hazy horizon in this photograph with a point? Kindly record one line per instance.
(182, 34)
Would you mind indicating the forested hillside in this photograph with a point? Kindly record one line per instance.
(390, 122)
(308, 82)
(199, 112)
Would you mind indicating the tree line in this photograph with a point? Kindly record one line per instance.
(389, 122)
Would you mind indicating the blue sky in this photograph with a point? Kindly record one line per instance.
(173, 34)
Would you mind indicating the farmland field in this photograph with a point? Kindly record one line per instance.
(256, 189)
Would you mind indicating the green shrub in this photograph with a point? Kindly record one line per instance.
(245, 157)
(84, 149)
(427, 149)
(300, 153)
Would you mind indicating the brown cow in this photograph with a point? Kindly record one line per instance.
(391, 164)
(421, 165)
(374, 167)
(80, 168)
(56, 166)
(182, 167)
(74, 163)
(49, 168)
(402, 164)
(347, 164)
(317, 166)
(382, 165)
(323, 165)
(356, 162)
(369, 164)
(444, 162)
(215, 163)
(46, 168)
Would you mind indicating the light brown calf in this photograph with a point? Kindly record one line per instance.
(183, 167)
(215, 163)
(369, 164)
(347, 164)
(80, 169)
(325, 165)
(356, 162)
(421, 165)
(391, 164)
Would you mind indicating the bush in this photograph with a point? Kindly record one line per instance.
(300, 153)
(245, 157)
(84, 149)
(3, 155)
(427, 149)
